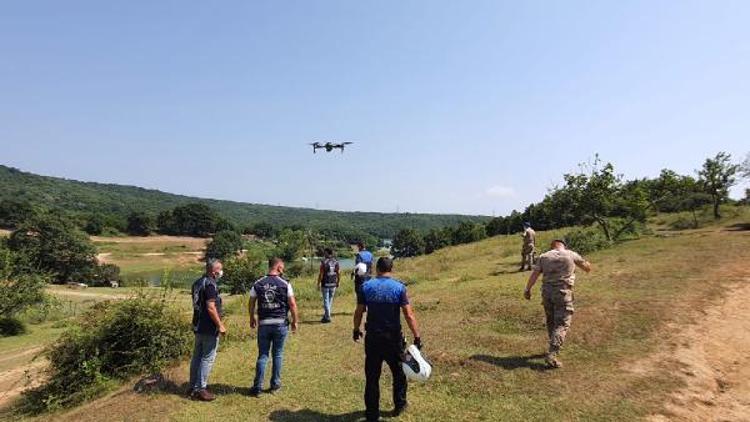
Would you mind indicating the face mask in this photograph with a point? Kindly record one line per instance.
(220, 274)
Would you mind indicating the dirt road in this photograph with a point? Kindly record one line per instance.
(713, 360)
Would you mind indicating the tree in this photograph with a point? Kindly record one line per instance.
(240, 272)
(140, 224)
(104, 274)
(291, 244)
(94, 225)
(406, 243)
(14, 212)
(717, 176)
(52, 245)
(467, 232)
(194, 219)
(263, 230)
(598, 195)
(436, 239)
(745, 167)
(225, 243)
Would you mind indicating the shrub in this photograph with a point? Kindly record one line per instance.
(241, 272)
(111, 342)
(406, 243)
(19, 294)
(586, 240)
(11, 327)
(225, 244)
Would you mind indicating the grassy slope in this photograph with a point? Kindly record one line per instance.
(483, 339)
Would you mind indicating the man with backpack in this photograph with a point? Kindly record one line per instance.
(207, 326)
(328, 281)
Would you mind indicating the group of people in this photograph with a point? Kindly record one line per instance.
(273, 311)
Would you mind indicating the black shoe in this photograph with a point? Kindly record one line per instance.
(254, 392)
(275, 389)
(399, 410)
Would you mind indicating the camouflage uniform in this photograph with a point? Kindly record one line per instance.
(558, 272)
(529, 248)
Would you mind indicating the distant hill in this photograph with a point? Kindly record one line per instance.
(86, 198)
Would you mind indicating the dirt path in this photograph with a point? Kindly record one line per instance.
(15, 381)
(713, 360)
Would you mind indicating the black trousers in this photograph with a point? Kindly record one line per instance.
(383, 347)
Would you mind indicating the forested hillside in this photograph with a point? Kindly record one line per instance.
(81, 200)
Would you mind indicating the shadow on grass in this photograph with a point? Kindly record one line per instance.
(739, 227)
(506, 272)
(171, 387)
(513, 362)
(312, 415)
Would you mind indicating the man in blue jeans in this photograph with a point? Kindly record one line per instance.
(328, 281)
(274, 299)
(207, 326)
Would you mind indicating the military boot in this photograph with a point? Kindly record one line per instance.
(552, 361)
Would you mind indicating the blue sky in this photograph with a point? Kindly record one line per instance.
(468, 107)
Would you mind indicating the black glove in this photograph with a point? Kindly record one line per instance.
(418, 343)
(356, 334)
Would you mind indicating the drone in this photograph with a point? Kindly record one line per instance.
(329, 146)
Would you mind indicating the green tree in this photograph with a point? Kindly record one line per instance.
(14, 212)
(54, 246)
(194, 219)
(225, 244)
(263, 230)
(240, 272)
(436, 239)
(291, 244)
(467, 232)
(717, 176)
(140, 224)
(406, 243)
(598, 195)
(94, 225)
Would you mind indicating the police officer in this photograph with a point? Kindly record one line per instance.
(274, 297)
(557, 267)
(384, 298)
(528, 249)
(328, 281)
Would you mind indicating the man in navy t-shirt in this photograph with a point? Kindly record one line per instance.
(207, 326)
(384, 299)
(273, 297)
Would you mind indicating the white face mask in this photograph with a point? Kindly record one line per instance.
(220, 274)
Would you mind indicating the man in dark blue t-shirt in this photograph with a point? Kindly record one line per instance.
(273, 297)
(384, 299)
(207, 326)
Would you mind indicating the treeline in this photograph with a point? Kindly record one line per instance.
(106, 209)
(599, 198)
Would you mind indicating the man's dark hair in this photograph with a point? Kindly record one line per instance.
(328, 251)
(361, 245)
(274, 262)
(384, 265)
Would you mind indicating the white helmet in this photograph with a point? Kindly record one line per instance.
(416, 367)
(360, 269)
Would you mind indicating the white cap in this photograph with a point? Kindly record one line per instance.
(360, 269)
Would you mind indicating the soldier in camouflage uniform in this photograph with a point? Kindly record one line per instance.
(558, 277)
(528, 250)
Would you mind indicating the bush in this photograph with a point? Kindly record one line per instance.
(225, 244)
(11, 327)
(241, 272)
(111, 342)
(19, 294)
(406, 243)
(104, 274)
(586, 240)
